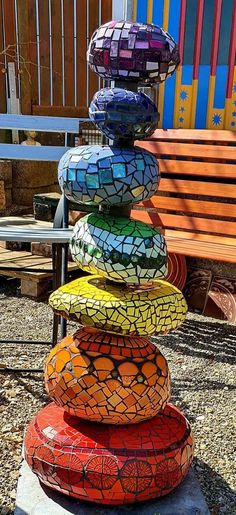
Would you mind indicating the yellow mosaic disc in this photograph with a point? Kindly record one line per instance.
(93, 302)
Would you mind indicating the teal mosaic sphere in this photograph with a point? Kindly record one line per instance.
(102, 175)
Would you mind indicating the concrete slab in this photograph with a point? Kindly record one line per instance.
(35, 499)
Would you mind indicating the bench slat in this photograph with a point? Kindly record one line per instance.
(200, 237)
(218, 170)
(198, 224)
(40, 123)
(185, 222)
(32, 153)
(214, 136)
(217, 209)
(190, 150)
(198, 188)
(206, 250)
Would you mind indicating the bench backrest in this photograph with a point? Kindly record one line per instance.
(40, 123)
(197, 191)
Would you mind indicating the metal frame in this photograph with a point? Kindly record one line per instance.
(59, 271)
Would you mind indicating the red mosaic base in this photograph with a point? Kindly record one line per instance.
(109, 464)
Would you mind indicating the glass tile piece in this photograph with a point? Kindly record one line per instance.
(92, 181)
(105, 176)
(119, 170)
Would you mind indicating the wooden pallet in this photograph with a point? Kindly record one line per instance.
(33, 284)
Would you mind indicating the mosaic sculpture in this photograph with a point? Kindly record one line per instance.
(111, 436)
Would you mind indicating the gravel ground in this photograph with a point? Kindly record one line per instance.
(201, 356)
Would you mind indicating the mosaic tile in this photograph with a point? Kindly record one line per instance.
(93, 302)
(108, 175)
(124, 379)
(109, 464)
(119, 249)
(142, 53)
(221, 300)
(123, 114)
(196, 289)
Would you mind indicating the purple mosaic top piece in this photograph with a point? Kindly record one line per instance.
(138, 52)
(123, 114)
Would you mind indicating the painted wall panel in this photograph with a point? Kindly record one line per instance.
(202, 93)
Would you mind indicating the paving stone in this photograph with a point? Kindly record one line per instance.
(34, 499)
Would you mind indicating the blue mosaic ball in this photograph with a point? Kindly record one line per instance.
(104, 175)
(120, 113)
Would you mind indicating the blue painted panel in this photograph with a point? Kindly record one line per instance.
(202, 96)
(174, 14)
(187, 74)
(157, 12)
(220, 86)
(142, 11)
(169, 99)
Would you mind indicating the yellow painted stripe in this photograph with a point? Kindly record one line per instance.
(149, 11)
(165, 21)
(211, 92)
(135, 7)
(193, 103)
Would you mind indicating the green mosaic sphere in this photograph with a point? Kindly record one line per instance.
(119, 249)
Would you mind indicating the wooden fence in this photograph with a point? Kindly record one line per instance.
(47, 40)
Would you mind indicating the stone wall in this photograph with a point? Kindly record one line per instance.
(5, 185)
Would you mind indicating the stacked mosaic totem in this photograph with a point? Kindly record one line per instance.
(110, 436)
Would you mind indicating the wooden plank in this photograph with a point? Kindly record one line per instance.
(202, 249)
(33, 52)
(24, 38)
(17, 259)
(81, 48)
(217, 209)
(8, 151)
(93, 25)
(69, 51)
(199, 237)
(198, 224)
(197, 188)
(56, 51)
(42, 123)
(203, 135)
(106, 10)
(192, 224)
(190, 150)
(48, 110)
(44, 52)
(218, 170)
(3, 101)
(8, 8)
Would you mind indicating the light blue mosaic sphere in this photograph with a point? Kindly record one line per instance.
(103, 175)
(120, 113)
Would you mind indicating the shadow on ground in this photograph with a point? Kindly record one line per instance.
(210, 340)
(210, 482)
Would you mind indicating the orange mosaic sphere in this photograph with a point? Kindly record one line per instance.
(108, 378)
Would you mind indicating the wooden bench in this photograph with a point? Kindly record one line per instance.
(23, 265)
(196, 199)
